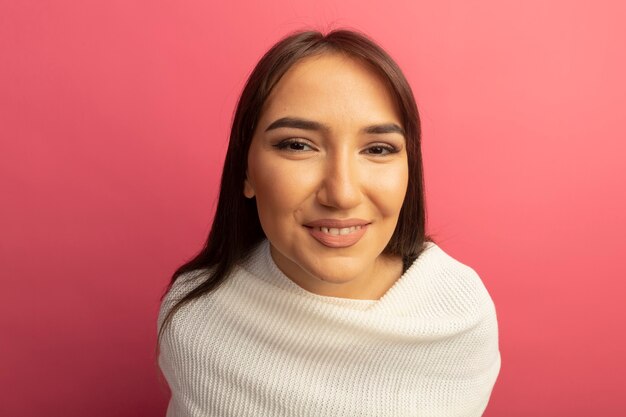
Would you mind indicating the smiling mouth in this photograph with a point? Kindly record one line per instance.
(334, 231)
(337, 237)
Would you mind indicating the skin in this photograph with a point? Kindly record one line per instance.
(337, 172)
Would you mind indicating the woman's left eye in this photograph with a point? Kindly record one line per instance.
(381, 150)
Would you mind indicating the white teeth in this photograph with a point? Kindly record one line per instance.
(336, 231)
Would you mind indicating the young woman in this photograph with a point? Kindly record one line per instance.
(318, 292)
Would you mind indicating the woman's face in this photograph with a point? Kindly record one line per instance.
(328, 168)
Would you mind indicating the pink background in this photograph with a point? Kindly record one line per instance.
(114, 118)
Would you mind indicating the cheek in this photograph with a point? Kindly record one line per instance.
(387, 187)
(280, 186)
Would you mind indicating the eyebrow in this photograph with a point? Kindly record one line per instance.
(304, 124)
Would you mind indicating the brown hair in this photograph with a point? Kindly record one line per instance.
(236, 228)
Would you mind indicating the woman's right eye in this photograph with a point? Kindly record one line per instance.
(293, 145)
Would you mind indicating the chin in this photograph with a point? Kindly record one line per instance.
(335, 279)
(336, 275)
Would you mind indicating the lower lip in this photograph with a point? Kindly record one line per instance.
(337, 241)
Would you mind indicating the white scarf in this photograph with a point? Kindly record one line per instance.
(260, 345)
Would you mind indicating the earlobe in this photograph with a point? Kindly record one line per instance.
(248, 191)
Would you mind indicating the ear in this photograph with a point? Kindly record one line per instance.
(248, 190)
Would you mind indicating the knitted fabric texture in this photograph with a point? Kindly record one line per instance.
(260, 345)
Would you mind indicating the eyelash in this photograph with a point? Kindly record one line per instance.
(284, 145)
(390, 149)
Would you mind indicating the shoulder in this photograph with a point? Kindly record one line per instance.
(458, 287)
(458, 295)
(186, 282)
(178, 289)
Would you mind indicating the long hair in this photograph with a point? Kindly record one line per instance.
(236, 228)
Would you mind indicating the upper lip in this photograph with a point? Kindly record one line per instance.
(337, 223)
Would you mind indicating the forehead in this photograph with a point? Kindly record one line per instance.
(332, 88)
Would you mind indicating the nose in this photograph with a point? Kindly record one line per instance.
(340, 187)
